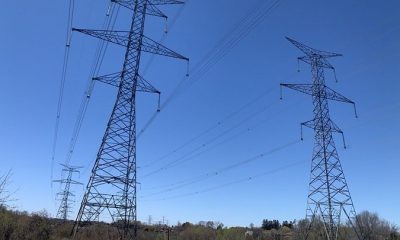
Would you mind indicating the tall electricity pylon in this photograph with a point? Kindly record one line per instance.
(65, 201)
(329, 199)
(112, 184)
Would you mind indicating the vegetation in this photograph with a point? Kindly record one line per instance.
(5, 195)
(16, 225)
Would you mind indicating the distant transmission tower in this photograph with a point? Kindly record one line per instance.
(65, 196)
(112, 184)
(329, 199)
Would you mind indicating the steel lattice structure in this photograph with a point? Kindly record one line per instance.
(112, 184)
(329, 199)
(65, 201)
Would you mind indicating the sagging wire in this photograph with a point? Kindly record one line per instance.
(218, 52)
(71, 9)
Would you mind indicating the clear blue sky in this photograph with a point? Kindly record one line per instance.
(367, 33)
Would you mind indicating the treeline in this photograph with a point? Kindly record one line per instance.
(16, 225)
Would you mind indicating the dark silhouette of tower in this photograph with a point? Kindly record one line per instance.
(329, 199)
(112, 184)
(65, 195)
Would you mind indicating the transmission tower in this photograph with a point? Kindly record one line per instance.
(65, 196)
(112, 184)
(329, 199)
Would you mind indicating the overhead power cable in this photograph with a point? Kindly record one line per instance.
(218, 52)
(241, 180)
(205, 147)
(214, 173)
(71, 9)
(109, 23)
(218, 124)
(189, 155)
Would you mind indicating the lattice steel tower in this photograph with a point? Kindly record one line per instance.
(112, 184)
(65, 201)
(329, 199)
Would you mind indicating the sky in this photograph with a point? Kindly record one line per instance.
(224, 146)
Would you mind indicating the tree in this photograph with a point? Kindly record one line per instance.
(288, 224)
(5, 194)
(268, 224)
(394, 233)
(373, 227)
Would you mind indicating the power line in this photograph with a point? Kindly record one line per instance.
(71, 9)
(218, 124)
(189, 181)
(189, 154)
(197, 150)
(97, 61)
(109, 23)
(218, 52)
(241, 180)
(205, 176)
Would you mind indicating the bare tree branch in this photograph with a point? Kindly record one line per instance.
(5, 195)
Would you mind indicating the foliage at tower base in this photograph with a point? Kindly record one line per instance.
(15, 225)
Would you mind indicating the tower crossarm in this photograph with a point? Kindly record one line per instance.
(131, 3)
(155, 11)
(309, 89)
(64, 193)
(165, 2)
(309, 51)
(117, 37)
(114, 79)
(152, 9)
(331, 125)
(122, 38)
(70, 181)
(154, 47)
(321, 63)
